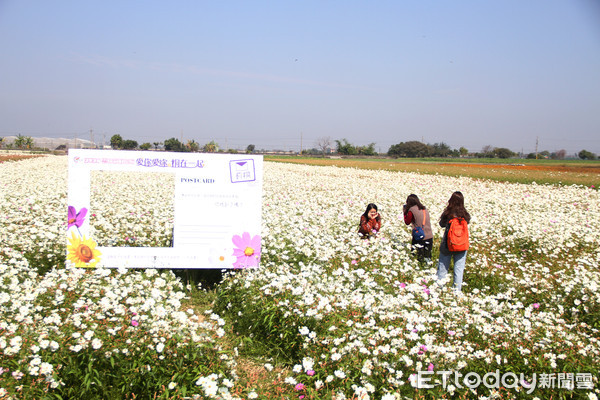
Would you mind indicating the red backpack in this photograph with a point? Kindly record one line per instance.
(458, 235)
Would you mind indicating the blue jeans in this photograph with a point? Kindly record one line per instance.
(459, 266)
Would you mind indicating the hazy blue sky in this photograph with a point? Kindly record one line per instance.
(467, 73)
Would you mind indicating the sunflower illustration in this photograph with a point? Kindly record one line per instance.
(82, 252)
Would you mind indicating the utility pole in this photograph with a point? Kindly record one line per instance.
(536, 147)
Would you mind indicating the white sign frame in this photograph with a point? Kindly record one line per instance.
(204, 183)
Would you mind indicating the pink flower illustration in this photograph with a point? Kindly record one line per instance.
(247, 251)
(76, 218)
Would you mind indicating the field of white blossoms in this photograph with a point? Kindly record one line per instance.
(328, 315)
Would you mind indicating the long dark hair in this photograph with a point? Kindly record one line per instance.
(370, 207)
(413, 200)
(456, 208)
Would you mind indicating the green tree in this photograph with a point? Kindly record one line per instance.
(586, 155)
(368, 150)
(116, 142)
(145, 146)
(463, 151)
(1, 142)
(156, 144)
(409, 149)
(346, 148)
(23, 142)
(210, 147)
(503, 152)
(129, 144)
(173, 144)
(250, 148)
(192, 145)
(440, 150)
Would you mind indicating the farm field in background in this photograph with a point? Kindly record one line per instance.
(15, 156)
(328, 315)
(566, 172)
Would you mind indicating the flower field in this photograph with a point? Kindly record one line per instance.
(328, 315)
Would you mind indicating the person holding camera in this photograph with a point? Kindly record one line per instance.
(416, 214)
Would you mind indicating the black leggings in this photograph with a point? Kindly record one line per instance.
(422, 248)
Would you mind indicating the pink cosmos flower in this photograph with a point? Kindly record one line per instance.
(76, 218)
(299, 387)
(451, 333)
(536, 305)
(430, 367)
(354, 262)
(310, 372)
(134, 322)
(403, 285)
(247, 251)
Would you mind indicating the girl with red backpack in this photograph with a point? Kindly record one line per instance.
(455, 242)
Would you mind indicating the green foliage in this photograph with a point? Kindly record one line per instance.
(116, 142)
(174, 144)
(23, 142)
(210, 147)
(409, 149)
(192, 146)
(95, 351)
(346, 148)
(145, 146)
(586, 155)
(503, 152)
(129, 144)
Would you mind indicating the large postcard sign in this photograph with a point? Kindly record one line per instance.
(217, 210)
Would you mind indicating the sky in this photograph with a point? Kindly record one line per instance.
(284, 74)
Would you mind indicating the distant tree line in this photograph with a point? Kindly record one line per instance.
(417, 149)
(172, 144)
(323, 146)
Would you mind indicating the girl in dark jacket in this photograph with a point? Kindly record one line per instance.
(416, 214)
